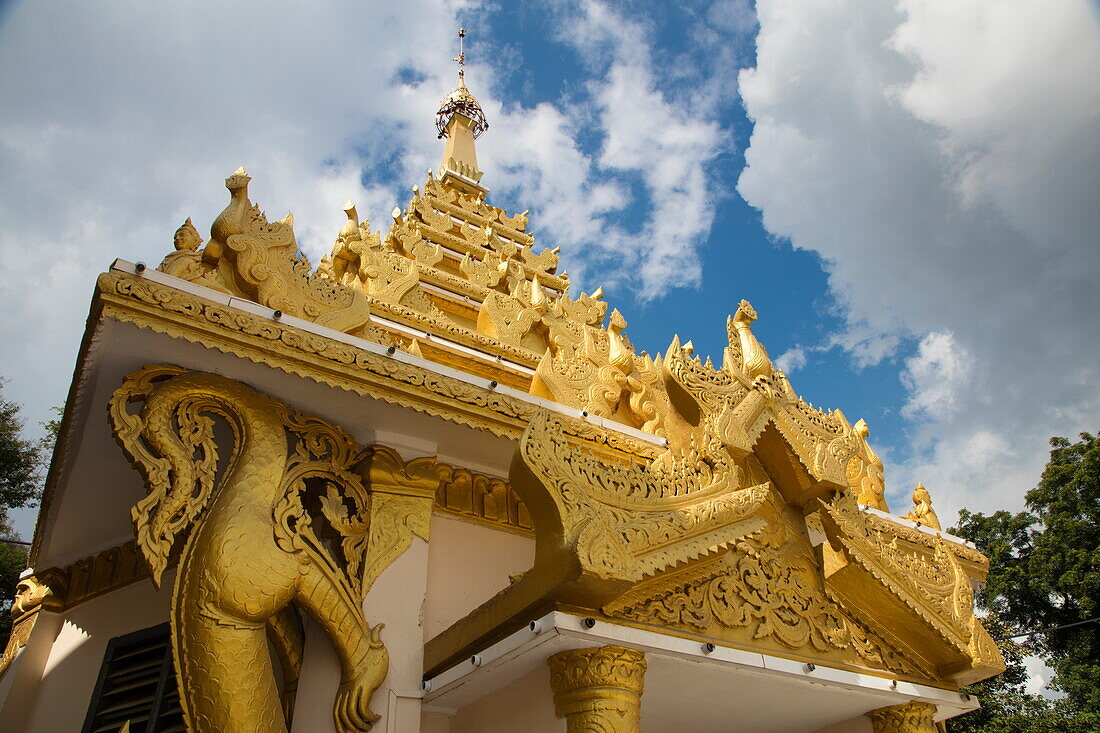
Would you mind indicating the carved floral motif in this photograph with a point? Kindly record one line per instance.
(625, 520)
(912, 717)
(765, 585)
(598, 690)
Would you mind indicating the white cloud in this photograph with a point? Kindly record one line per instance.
(121, 120)
(943, 158)
(791, 360)
(935, 377)
(649, 136)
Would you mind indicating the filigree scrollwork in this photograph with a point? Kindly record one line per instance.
(624, 520)
(294, 515)
(761, 586)
(909, 574)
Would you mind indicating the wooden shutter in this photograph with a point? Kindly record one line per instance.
(137, 684)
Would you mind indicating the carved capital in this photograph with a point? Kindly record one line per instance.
(44, 590)
(385, 471)
(598, 689)
(912, 717)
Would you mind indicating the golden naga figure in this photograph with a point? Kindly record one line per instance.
(284, 521)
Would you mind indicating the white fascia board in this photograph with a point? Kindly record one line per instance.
(529, 647)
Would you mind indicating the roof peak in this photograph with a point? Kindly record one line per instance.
(460, 101)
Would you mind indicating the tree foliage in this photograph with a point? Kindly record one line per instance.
(21, 464)
(13, 559)
(20, 459)
(1044, 573)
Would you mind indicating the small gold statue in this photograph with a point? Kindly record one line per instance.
(922, 511)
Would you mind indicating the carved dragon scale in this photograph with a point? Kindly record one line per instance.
(253, 525)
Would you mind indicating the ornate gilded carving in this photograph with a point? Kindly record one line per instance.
(32, 594)
(623, 521)
(912, 717)
(186, 262)
(865, 472)
(598, 690)
(349, 259)
(767, 586)
(167, 310)
(739, 439)
(291, 517)
(922, 511)
(103, 572)
(754, 358)
(482, 498)
(922, 580)
(588, 379)
(402, 495)
(252, 258)
(449, 239)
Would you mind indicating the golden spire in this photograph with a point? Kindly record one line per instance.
(461, 120)
(461, 58)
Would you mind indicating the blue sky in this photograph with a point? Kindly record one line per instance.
(738, 257)
(906, 192)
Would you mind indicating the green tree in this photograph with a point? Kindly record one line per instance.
(1006, 705)
(20, 460)
(1045, 573)
(21, 463)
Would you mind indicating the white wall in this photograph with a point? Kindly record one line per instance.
(468, 564)
(525, 705)
(862, 724)
(62, 697)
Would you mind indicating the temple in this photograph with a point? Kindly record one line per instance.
(428, 486)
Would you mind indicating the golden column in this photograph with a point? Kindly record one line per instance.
(598, 689)
(912, 717)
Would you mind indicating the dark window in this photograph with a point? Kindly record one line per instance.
(137, 684)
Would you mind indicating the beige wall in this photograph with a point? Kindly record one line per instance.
(525, 705)
(862, 724)
(468, 564)
(60, 701)
(395, 600)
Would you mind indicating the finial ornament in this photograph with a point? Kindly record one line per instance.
(460, 101)
(922, 511)
(754, 357)
(461, 57)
